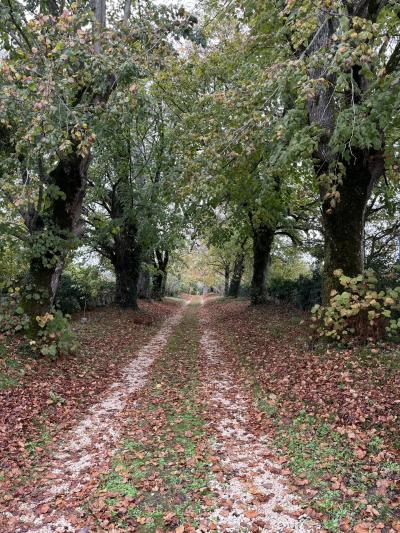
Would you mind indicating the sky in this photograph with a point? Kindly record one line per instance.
(188, 4)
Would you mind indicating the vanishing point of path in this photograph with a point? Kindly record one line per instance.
(191, 393)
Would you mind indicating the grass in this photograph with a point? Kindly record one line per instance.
(321, 455)
(318, 453)
(6, 381)
(9, 370)
(41, 442)
(164, 479)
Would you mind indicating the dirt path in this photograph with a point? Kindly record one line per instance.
(253, 495)
(247, 489)
(86, 449)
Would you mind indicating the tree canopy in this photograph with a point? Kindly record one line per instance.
(137, 130)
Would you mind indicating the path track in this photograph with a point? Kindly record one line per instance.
(251, 493)
(86, 450)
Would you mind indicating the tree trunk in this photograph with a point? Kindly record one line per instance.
(238, 268)
(126, 294)
(227, 275)
(53, 234)
(144, 289)
(159, 278)
(157, 286)
(36, 300)
(263, 238)
(164, 284)
(344, 223)
(126, 262)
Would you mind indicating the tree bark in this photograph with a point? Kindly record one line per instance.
(227, 275)
(159, 278)
(164, 284)
(263, 238)
(100, 11)
(144, 289)
(53, 233)
(127, 10)
(157, 286)
(344, 224)
(126, 261)
(238, 269)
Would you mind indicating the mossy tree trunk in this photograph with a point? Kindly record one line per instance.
(344, 223)
(53, 232)
(263, 238)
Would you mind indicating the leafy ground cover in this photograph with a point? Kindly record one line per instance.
(159, 480)
(332, 414)
(224, 419)
(40, 399)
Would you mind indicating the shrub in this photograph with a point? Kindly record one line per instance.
(83, 287)
(71, 296)
(303, 292)
(12, 316)
(55, 336)
(358, 312)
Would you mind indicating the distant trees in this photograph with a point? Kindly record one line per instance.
(317, 114)
(132, 212)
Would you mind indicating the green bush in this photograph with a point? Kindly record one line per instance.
(304, 292)
(12, 316)
(359, 312)
(55, 336)
(83, 287)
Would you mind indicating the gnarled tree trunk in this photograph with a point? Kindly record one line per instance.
(263, 238)
(53, 233)
(344, 224)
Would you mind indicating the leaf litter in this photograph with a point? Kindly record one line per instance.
(85, 450)
(185, 440)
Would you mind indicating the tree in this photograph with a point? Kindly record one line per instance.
(133, 214)
(351, 54)
(238, 269)
(236, 150)
(161, 259)
(64, 72)
(54, 90)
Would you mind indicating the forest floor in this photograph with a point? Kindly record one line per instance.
(215, 417)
